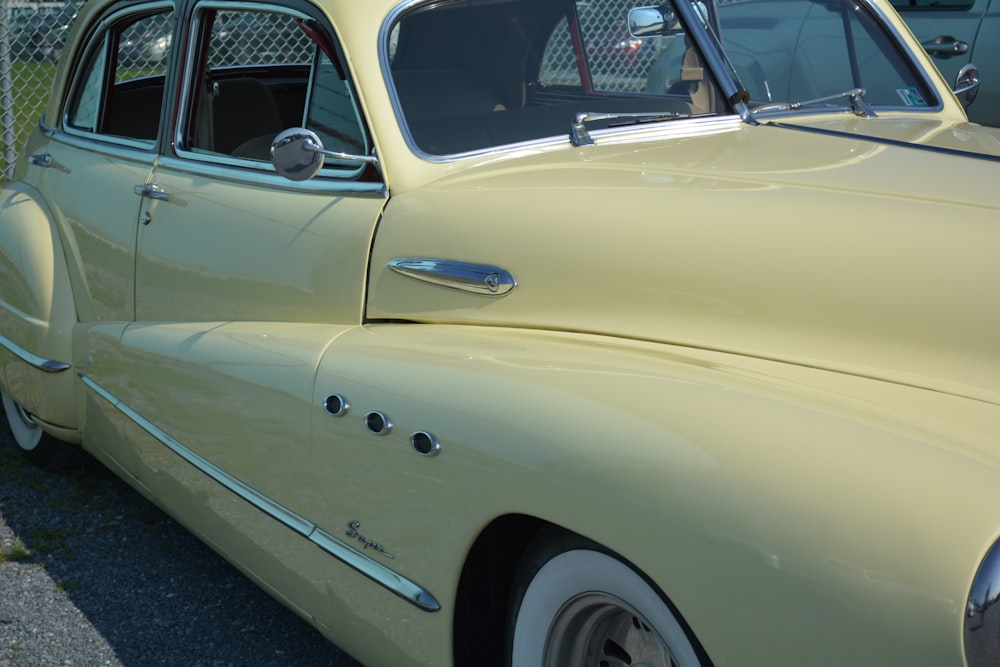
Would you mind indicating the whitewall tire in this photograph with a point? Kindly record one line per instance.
(581, 607)
(38, 446)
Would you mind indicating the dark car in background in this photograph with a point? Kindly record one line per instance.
(956, 33)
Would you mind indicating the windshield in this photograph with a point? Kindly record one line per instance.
(472, 75)
(797, 52)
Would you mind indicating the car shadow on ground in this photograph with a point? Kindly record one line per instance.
(94, 574)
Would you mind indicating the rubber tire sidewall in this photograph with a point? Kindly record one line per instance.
(581, 570)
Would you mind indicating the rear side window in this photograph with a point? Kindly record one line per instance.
(118, 88)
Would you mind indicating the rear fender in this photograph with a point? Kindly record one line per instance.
(37, 314)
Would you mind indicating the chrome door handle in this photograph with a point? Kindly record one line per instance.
(152, 191)
(945, 45)
(41, 160)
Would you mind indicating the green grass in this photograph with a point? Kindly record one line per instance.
(66, 586)
(52, 541)
(16, 552)
(31, 83)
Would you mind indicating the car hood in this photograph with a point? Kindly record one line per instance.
(908, 130)
(811, 245)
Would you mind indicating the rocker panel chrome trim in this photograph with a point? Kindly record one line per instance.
(41, 363)
(377, 572)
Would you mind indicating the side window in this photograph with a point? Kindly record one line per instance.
(260, 72)
(332, 114)
(119, 86)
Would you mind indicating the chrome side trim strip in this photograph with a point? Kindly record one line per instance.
(479, 279)
(401, 586)
(377, 572)
(41, 363)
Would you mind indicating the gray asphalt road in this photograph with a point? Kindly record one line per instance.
(92, 574)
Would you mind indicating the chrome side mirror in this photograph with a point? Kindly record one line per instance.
(298, 154)
(967, 84)
(653, 21)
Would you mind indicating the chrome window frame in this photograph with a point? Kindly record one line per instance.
(681, 127)
(228, 167)
(90, 44)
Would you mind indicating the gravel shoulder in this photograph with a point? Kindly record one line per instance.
(93, 574)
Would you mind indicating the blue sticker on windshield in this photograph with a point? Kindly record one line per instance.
(911, 97)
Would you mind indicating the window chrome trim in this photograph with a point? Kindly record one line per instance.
(189, 77)
(384, 35)
(41, 363)
(95, 143)
(369, 567)
(911, 56)
(329, 179)
(101, 29)
(263, 174)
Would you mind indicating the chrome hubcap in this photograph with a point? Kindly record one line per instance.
(598, 630)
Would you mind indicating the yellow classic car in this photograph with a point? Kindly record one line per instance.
(531, 332)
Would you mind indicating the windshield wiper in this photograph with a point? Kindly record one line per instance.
(854, 95)
(579, 135)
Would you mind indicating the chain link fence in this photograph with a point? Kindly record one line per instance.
(32, 35)
(617, 61)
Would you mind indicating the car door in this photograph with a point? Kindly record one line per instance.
(243, 278)
(97, 159)
(957, 32)
(104, 152)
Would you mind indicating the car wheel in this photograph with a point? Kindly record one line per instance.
(39, 447)
(576, 605)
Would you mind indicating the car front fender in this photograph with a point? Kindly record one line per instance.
(847, 515)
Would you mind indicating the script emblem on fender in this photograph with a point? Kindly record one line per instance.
(366, 543)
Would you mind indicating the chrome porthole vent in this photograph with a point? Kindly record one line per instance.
(378, 423)
(425, 443)
(336, 405)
